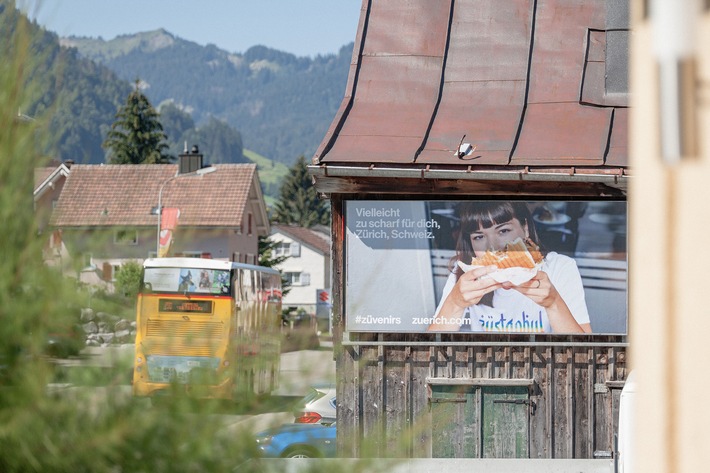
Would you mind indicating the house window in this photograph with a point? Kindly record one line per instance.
(249, 224)
(285, 248)
(298, 278)
(125, 237)
(282, 248)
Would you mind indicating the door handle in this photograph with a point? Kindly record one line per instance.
(529, 402)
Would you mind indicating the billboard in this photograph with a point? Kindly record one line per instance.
(489, 266)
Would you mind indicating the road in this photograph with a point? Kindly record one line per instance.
(299, 370)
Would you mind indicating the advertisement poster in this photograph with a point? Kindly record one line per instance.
(187, 280)
(494, 266)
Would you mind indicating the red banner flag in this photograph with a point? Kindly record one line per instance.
(168, 223)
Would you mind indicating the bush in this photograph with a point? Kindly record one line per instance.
(128, 279)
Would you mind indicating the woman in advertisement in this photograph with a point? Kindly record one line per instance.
(552, 301)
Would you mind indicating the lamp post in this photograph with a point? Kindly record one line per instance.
(199, 172)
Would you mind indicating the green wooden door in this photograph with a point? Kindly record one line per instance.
(455, 427)
(505, 421)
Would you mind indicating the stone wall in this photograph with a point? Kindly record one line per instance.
(103, 329)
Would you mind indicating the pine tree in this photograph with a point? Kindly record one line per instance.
(137, 137)
(298, 202)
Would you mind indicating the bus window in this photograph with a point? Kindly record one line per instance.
(249, 285)
(184, 280)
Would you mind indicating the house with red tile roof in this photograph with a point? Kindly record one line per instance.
(307, 267)
(107, 215)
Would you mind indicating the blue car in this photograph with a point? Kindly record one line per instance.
(298, 441)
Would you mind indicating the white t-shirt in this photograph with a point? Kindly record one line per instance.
(513, 312)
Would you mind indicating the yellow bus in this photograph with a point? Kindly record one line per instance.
(207, 328)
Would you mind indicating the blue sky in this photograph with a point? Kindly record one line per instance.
(301, 27)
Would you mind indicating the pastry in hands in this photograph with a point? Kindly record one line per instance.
(518, 253)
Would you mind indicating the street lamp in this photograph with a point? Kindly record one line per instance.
(199, 172)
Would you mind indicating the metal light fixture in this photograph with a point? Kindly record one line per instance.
(465, 149)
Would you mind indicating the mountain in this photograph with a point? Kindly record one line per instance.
(74, 98)
(282, 105)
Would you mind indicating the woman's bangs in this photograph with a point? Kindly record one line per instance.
(487, 216)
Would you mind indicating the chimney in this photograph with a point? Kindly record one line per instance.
(190, 162)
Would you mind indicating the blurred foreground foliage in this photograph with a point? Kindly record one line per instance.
(49, 428)
(44, 429)
(94, 426)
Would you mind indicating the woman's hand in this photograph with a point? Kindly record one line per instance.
(539, 289)
(542, 292)
(467, 291)
(472, 286)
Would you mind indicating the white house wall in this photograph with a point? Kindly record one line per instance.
(311, 262)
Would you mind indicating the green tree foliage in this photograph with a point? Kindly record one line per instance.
(299, 203)
(219, 142)
(128, 279)
(176, 122)
(137, 137)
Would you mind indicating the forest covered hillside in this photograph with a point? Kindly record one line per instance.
(282, 105)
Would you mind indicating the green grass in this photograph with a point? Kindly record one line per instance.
(270, 173)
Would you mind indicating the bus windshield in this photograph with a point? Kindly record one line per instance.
(182, 280)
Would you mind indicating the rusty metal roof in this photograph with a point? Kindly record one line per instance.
(527, 83)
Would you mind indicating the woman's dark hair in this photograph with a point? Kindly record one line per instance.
(476, 215)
